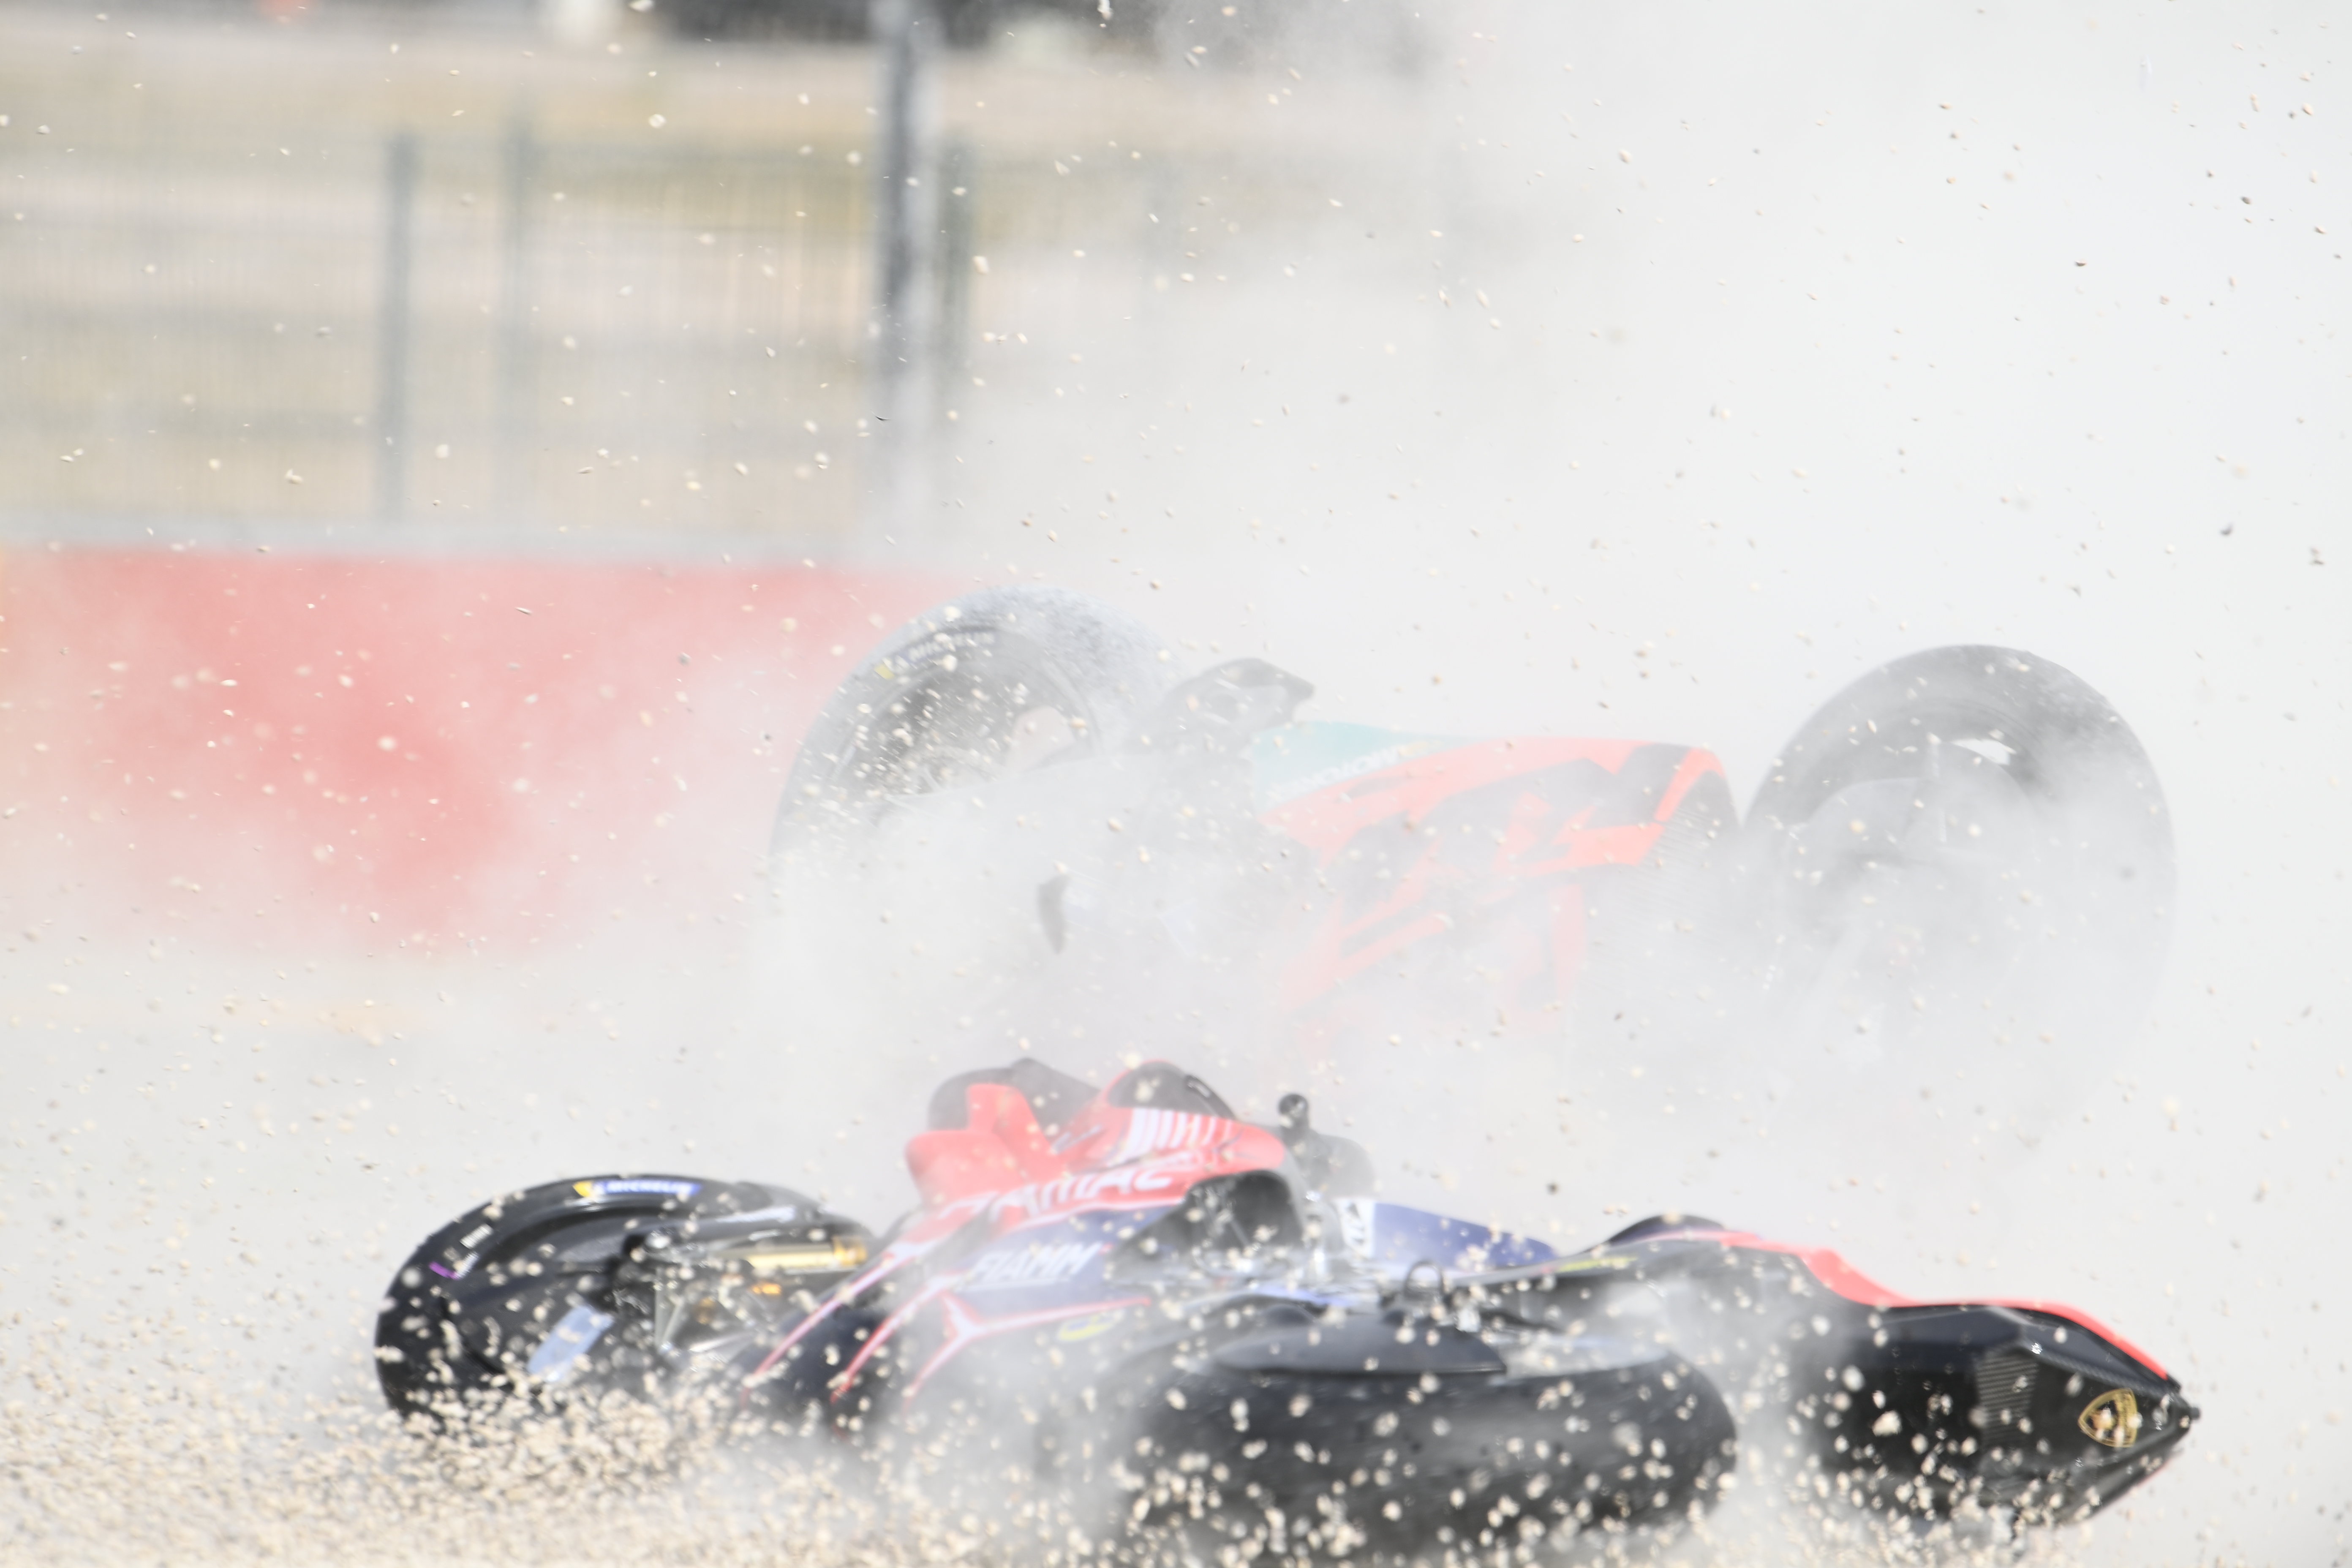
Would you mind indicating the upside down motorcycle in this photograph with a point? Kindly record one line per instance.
(1965, 849)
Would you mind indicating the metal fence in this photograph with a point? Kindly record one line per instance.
(291, 289)
(400, 326)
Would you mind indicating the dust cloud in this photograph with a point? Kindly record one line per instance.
(1634, 372)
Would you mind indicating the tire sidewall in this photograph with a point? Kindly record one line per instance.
(1101, 667)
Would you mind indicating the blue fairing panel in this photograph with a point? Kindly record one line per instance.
(1392, 1238)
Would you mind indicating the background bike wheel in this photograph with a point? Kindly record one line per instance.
(1966, 848)
(993, 684)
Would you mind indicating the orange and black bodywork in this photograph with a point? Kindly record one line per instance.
(1322, 864)
(1195, 842)
(1509, 850)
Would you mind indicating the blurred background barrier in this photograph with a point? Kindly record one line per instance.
(324, 755)
(581, 268)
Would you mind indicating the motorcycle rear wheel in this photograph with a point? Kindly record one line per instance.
(1966, 842)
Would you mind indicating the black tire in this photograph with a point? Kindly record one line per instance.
(462, 1318)
(1967, 833)
(994, 683)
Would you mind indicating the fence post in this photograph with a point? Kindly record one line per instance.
(957, 165)
(393, 326)
(898, 338)
(516, 410)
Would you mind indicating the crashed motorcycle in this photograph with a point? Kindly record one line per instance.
(1965, 849)
(1175, 1334)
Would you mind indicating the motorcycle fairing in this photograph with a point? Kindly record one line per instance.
(1071, 1245)
(1842, 1277)
(998, 1176)
(1488, 827)
(1309, 756)
(1391, 1240)
(1915, 1406)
